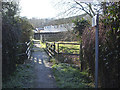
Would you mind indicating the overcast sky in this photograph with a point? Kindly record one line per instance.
(37, 8)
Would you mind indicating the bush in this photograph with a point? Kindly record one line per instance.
(109, 51)
(14, 30)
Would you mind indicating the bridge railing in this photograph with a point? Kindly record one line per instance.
(50, 48)
(27, 51)
(53, 49)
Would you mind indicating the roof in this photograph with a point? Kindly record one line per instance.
(56, 28)
(53, 30)
(39, 28)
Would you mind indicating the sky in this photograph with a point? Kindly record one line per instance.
(37, 9)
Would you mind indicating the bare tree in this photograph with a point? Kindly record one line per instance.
(75, 7)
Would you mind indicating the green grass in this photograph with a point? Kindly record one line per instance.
(21, 78)
(68, 77)
(68, 48)
(43, 44)
(65, 48)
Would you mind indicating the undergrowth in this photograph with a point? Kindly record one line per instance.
(68, 77)
(21, 78)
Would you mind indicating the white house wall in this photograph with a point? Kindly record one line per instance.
(58, 28)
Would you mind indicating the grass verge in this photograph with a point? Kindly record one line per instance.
(21, 78)
(68, 77)
(43, 44)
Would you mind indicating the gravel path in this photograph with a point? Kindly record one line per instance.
(42, 70)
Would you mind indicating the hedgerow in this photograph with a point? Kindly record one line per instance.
(109, 51)
(14, 30)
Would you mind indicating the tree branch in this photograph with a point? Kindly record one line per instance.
(90, 7)
(82, 8)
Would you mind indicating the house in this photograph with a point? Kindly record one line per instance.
(52, 33)
(39, 29)
(59, 29)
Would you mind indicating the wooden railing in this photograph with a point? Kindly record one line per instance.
(53, 49)
(27, 52)
(50, 48)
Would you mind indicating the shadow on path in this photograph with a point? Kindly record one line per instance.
(42, 70)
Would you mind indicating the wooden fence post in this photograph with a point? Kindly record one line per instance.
(54, 48)
(30, 49)
(58, 51)
(81, 57)
(46, 45)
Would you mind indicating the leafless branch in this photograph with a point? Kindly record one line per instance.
(83, 9)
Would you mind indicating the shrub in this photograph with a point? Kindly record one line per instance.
(109, 52)
(14, 30)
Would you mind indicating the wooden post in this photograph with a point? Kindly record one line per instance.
(81, 57)
(58, 51)
(58, 48)
(30, 49)
(54, 48)
(46, 46)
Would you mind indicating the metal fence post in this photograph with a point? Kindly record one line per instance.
(96, 51)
